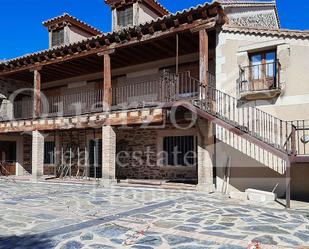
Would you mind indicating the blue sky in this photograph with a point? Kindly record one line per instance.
(22, 30)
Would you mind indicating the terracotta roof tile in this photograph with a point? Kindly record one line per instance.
(285, 33)
(73, 20)
(112, 35)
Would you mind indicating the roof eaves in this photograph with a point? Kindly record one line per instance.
(286, 33)
(109, 34)
(66, 16)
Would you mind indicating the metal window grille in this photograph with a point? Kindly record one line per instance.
(180, 150)
(125, 16)
(49, 150)
(57, 37)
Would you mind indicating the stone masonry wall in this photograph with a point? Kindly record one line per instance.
(138, 158)
(144, 163)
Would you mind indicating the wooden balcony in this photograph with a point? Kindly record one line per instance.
(167, 88)
(259, 82)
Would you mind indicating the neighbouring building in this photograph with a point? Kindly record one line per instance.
(214, 95)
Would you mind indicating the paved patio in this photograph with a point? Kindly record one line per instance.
(74, 216)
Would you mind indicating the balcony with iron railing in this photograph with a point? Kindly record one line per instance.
(166, 88)
(259, 81)
(283, 135)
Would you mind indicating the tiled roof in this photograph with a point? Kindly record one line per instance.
(284, 33)
(73, 20)
(115, 37)
(154, 3)
(247, 2)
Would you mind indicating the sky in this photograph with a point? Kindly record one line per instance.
(22, 31)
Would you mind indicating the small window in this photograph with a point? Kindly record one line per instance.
(49, 149)
(57, 37)
(125, 16)
(180, 151)
(263, 65)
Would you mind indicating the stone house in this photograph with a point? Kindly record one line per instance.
(205, 96)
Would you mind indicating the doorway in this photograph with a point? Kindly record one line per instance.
(7, 158)
(95, 158)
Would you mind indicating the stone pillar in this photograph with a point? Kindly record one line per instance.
(108, 155)
(37, 155)
(204, 153)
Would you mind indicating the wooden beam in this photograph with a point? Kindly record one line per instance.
(107, 82)
(37, 94)
(203, 36)
(115, 120)
(134, 41)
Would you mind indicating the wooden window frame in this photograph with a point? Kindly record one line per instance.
(124, 11)
(57, 38)
(263, 82)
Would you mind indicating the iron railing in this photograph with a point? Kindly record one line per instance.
(262, 125)
(73, 104)
(301, 136)
(288, 136)
(260, 77)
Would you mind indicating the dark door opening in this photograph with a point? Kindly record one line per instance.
(95, 158)
(7, 158)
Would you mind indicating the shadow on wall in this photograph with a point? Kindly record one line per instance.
(26, 241)
(245, 172)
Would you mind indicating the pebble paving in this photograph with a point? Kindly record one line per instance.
(74, 216)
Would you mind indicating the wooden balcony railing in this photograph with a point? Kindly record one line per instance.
(261, 77)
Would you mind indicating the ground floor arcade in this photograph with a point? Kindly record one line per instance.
(195, 153)
(111, 153)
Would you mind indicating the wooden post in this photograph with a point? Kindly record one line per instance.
(203, 56)
(36, 93)
(293, 141)
(288, 184)
(107, 81)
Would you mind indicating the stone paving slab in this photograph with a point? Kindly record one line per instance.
(72, 217)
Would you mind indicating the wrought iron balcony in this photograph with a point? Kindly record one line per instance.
(166, 88)
(259, 81)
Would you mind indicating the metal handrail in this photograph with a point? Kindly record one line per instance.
(262, 125)
(255, 77)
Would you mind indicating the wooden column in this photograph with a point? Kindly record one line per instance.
(36, 93)
(203, 56)
(107, 80)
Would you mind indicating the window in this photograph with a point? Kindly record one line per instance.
(125, 16)
(57, 37)
(263, 65)
(49, 149)
(180, 150)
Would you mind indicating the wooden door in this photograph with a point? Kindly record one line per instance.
(262, 71)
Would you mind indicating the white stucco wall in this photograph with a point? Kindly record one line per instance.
(292, 54)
